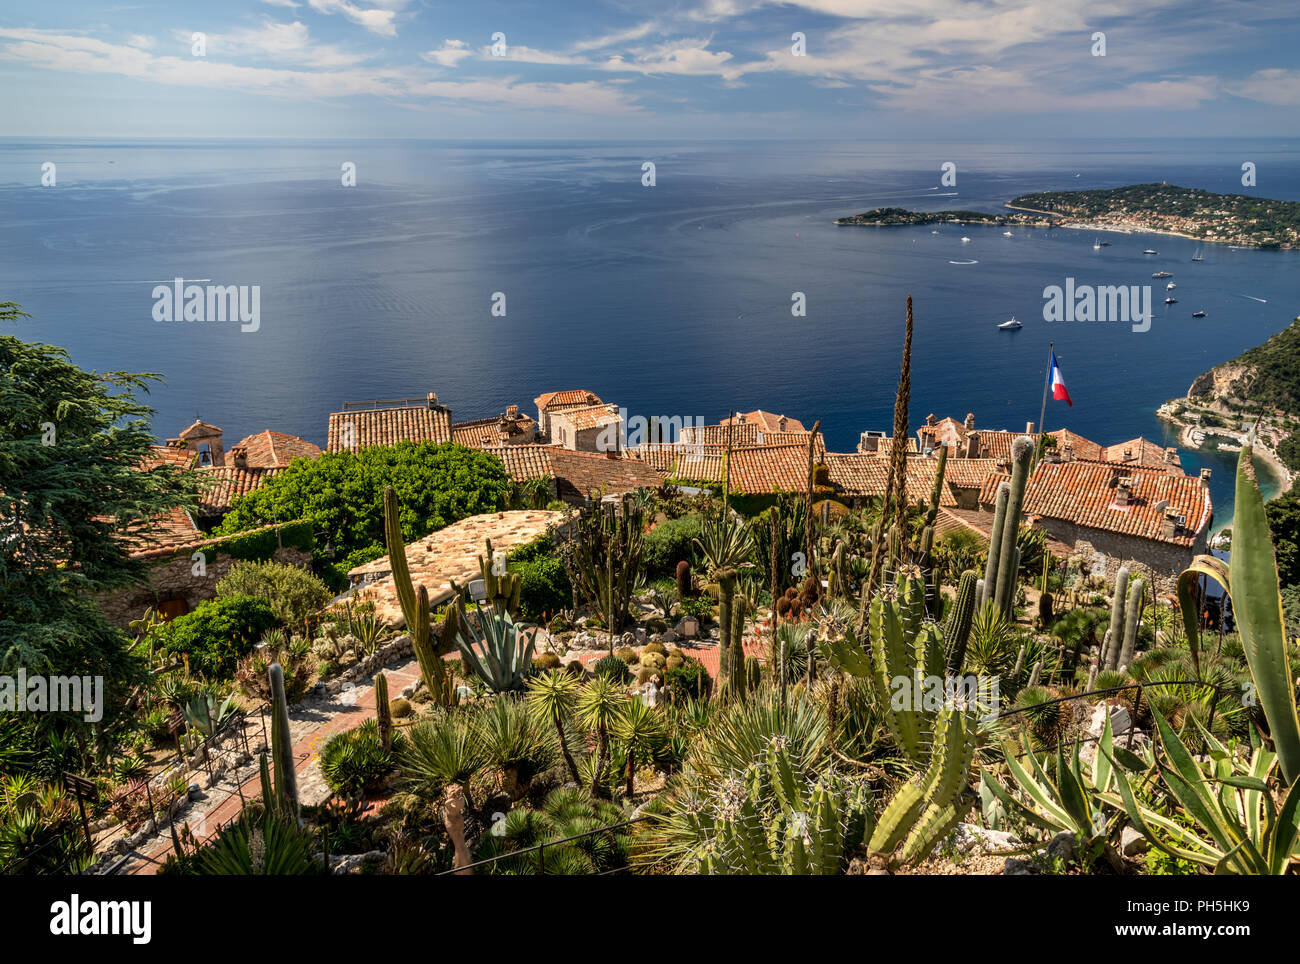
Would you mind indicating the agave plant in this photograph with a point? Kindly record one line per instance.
(269, 843)
(498, 649)
(1237, 826)
(1251, 580)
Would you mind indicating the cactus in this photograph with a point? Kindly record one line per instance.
(1045, 605)
(836, 584)
(753, 674)
(1035, 673)
(685, 587)
(285, 789)
(382, 715)
(956, 631)
(932, 513)
(415, 609)
(926, 809)
(1115, 632)
(1022, 452)
(502, 589)
(1020, 663)
(736, 651)
(995, 544)
(498, 650)
(726, 596)
(1132, 616)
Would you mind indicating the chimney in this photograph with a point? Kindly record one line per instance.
(1172, 524)
(240, 454)
(1171, 455)
(780, 426)
(1127, 456)
(1067, 451)
(740, 419)
(1205, 478)
(512, 412)
(929, 419)
(1029, 428)
(1004, 466)
(432, 400)
(1123, 489)
(972, 446)
(970, 421)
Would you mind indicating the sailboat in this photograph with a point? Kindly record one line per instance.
(1096, 245)
(1010, 324)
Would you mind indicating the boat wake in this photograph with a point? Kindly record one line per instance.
(1262, 301)
(963, 262)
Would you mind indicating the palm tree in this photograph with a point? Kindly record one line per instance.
(599, 705)
(550, 700)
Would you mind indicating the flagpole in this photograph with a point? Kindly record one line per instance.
(1042, 413)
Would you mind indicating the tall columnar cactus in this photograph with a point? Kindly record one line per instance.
(502, 588)
(1022, 453)
(835, 582)
(286, 778)
(936, 493)
(995, 544)
(1116, 632)
(415, 609)
(1132, 617)
(736, 677)
(956, 631)
(726, 596)
(382, 715)
(753, 674)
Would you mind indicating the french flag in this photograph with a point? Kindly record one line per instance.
(1059, 392)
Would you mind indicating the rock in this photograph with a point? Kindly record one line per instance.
(408, 691)
(1015, 867)
(1132, 843)
(192, 792)
(1120, 720)
(968, 838)
(629, 639)
(1062, 845)
(348, 863)
(668, 636)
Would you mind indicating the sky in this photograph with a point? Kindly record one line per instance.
(622, 69)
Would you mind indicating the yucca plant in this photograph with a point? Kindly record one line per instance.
(514, 741)
(639, 729)
(1238, 824)
(551, 698)
(439, 754)
(724, 542)
(598, 706)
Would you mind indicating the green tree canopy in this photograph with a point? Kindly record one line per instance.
(1284, 524)
(341, 493)
(73, 446)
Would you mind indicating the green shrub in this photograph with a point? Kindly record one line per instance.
(668, 543)
(336, 573)
(294, 594)
(544, 587)
(356, 760)
(218, 633)
(689, 680)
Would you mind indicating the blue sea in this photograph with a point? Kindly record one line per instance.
(669, 300)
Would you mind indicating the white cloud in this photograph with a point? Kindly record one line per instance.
(449, 54)
(378, 20)
(1275, 85)
(290, 4)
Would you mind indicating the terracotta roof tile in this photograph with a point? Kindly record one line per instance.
(573, 397)
(221, 485)
(1080, 447)
(586, 417)
(482, 433)
(765, 469)
(388, 426)
(524, 462)
(274, 450)
(580, 474)
(1142, 452)
(738, 434)
(863, 475)
(768, 422)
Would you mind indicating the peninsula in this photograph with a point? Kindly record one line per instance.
(1235, 219)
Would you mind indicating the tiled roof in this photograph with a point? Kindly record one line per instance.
(451, 553)
(221, 485)
(388, 426)
(884, 446)
(967, 473)
(994, 444)
(524, 462)
(1081, 447)
(764, 469)
(487, 432)
(170, 455)
(580, 474)
(862, 475)
(737, 435)
(573, 397)
(587, 416)
(686, 463)
(199, 428)
(989, 487)
(274, 450)
(767, 422)
(1142, 452)
(1083, 492)
(162, 534)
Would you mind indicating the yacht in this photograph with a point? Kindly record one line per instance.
(1007, 234)
(1162, 274)
(1198, 314)
(965, 240)
(1170, 287)
(1150, 251)
(1096, 245)
(934, 232)
(1010, 324)
(1197, 256)
(1171, 301)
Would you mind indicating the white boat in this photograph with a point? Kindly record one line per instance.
(1199, 314)
(1150, 251)
(1010, 324)
(1171, 301)
(1170, 287)
(1096, 245)
(934, 232)
(965, 240)
(1162, 274)
(1007, 234)
(1197, 255)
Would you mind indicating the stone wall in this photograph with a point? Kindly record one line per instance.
(1160, 561)
(174, 580)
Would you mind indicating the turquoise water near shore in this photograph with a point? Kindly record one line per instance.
(671, 300)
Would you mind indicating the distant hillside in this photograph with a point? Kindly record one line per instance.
(1266, 376)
